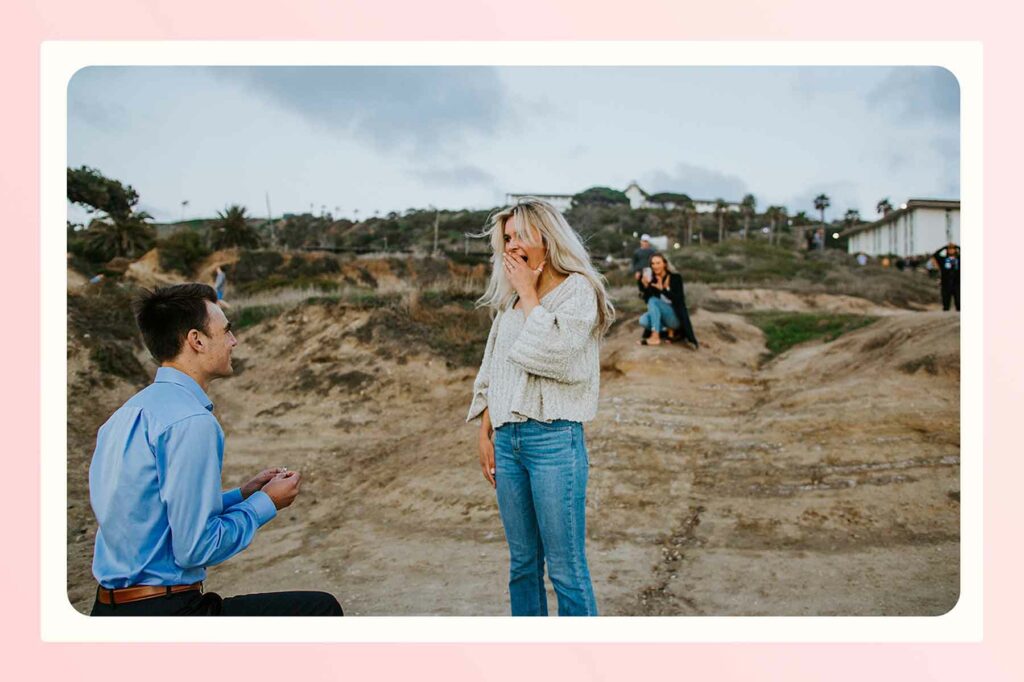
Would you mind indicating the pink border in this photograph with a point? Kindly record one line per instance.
(26, 24)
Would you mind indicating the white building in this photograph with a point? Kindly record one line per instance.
(920, 226)
(563, 202)
(638, 198)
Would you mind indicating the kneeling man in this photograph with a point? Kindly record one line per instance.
(154, 481)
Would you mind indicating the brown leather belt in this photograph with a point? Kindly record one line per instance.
(126, 595)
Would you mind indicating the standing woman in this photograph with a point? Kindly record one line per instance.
(537, 384)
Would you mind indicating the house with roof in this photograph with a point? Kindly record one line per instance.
(920, 226)
(638, 199)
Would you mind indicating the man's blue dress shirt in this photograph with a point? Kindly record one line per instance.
(154, 484)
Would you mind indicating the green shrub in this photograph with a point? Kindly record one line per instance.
(299, 267)
(182, 251)
(782, 331)
(101, 317)
(255, 265)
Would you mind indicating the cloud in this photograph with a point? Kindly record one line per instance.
(426, 108)
(697, 182)
(914, 91)
(455, 176)
(89, 100)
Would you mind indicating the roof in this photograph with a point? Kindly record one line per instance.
(540, 194)
(894, 215)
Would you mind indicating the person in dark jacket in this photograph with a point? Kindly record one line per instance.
(948, 261)
(666, 305)
(642, 257)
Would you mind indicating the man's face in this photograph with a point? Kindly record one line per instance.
(220, 342)
(645, 244)
(952, 250)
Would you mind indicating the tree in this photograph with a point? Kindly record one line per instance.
(799, 222)
(128, 237)
(776, 215)
(851, 218)
(884, 206)
(720, 208)
(748, 206)
(665, 198)
(232, 229)
(690, 213)
(182, 251)
(602, 196)
(821, 202)
(88, 187)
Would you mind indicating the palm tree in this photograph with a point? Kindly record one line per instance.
(748, 206)
(127, 236)
(720, 208)
(821, 202)
(851, 218)
(689, 220)
(232, 229)
(776, 214)
(799, 221)
(884, 206)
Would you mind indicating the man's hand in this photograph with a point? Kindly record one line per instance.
(259, 480)
(283, 488)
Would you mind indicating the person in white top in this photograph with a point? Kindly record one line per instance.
(538, 382)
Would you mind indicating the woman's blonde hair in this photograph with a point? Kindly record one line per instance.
(565, 253)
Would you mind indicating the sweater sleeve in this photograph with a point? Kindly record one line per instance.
(551, 340)
(483, 376)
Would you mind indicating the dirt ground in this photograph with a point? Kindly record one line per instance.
(825, 482)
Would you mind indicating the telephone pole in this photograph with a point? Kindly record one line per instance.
(437, 219)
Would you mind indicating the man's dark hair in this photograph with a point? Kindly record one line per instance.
(167, 314)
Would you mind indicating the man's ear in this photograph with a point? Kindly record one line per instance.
(195, 341)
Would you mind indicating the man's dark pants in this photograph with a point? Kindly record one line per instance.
(195, 603)
(950, 291)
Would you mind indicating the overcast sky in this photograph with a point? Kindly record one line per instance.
(391, 138)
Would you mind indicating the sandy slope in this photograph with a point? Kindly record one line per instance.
(823, 483)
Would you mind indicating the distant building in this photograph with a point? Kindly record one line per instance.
(638, 198)
(563, 202)
(918, 227)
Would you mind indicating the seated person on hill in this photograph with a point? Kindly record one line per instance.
(662, 290)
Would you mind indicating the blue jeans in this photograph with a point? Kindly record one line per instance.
(541, 476)
(659, 316)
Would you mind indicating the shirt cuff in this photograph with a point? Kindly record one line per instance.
(229, 498)
(477, 407)
(262, 505)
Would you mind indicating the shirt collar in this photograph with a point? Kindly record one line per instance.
(169, 375)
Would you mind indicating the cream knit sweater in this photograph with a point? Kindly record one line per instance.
(543, 367)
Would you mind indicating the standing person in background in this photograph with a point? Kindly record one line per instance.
(666, 305)
(538, 382)
(154, 480)
(642, 257)
(947, 260)
(220, 281)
